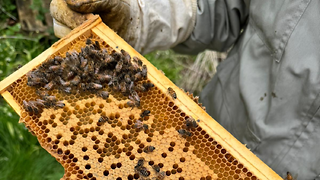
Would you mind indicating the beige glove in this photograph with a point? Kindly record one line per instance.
(146, 25)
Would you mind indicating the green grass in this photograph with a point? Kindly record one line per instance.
(21, 156)
(169, 62)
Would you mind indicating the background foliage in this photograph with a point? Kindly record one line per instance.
(21, 157)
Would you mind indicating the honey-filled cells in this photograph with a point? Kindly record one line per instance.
(96, 136)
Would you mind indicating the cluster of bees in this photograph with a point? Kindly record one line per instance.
(90, 70)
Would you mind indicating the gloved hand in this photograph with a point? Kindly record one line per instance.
(146, 25)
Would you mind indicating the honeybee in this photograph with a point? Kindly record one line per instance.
(172, 93)
(108, 59)
(123, 87)
(49, 62)
(88, 41)
(140, 125)
(156, 168)
(74, 58)
(97, 68)
(103, 119)
(103, 94)
(148, 149)
(85, 72)
(58, 59)
(35, 109)
(63, 83)
(97, 45)
(131, 104)
(137, 103)
(119, 65)
(127, 78)
(139, 163)
(59, 104)
(31, 107)
(34, 80)
(134, 68)
(144, 172)
(126, 55)
(86, 51)
(50, 98)
(66, 90)
(116, 55)
(160, 176)
(96, 54)
(144, 71)
(76, 80)
(42, 94)
(145, 113)
(82, 87)
(50, 85)
(290, 177)
(26, 106)
(94, 86)
(83, 62)
(116, 87)
(39, 103)
(191, 123)
(140, 88)
(103, 77)
(184, 132)
(134, 96)
(138, 76)
(90, 68)
(69, 75)
(113, 82)
(137, 60)
(147, 85)
(71, 61)
(131, 86)
(196, 99)
(55, 68)
(49, 101)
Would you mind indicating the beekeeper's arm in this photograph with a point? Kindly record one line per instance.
(149, 25)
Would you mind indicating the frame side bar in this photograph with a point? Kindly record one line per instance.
(9, 98)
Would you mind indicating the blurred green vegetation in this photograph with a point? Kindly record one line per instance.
(21, 156)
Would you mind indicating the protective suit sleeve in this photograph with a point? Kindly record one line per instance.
(218, 25)
(162, 24)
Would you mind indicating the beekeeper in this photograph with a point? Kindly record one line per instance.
(266, 93)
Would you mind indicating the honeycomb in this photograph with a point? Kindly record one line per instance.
(90, 149)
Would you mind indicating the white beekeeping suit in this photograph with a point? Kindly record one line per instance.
(267, 92)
